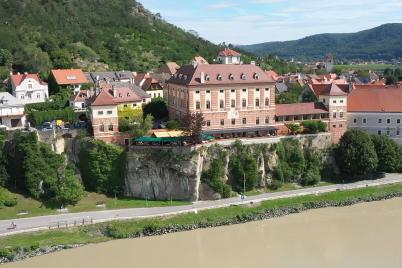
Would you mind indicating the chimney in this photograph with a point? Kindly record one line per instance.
(202, 78)
(252, 62)
(11, 73)
(114, 91)
(18, 73)
(25, 73)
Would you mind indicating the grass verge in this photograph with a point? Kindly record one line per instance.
(18, 245)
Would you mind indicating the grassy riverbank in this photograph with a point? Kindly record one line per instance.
(28, 207)
(24, 244)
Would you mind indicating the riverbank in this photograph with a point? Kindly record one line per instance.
(18, 247)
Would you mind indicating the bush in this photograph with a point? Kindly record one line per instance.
(213, 178)
(314, 126)
(243, 166)
(276, 184)
(10, 202)
(173, 125)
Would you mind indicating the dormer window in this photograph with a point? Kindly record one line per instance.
(219, 77)
(231, 77)
(207, 77)
(243, 77)
(256, 76)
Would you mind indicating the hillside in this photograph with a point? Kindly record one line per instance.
(380, 43)
(36, 35)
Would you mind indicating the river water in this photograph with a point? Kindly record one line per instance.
(364, 235)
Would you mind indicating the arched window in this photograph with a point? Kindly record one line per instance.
(219, 77)
(102, 128)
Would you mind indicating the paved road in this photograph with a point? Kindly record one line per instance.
(70, 219)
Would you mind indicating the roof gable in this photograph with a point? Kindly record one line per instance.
(103, 99)
(69, 77)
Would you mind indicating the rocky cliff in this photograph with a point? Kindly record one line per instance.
(164, 173)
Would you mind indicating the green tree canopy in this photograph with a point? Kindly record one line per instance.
(389, 154)
(356, 156)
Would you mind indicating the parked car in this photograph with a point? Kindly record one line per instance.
(47, 126)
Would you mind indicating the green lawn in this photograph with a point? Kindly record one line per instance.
(375, 67)
(88, 203)
(107, 231)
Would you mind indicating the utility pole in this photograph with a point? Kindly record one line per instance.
(244, 185)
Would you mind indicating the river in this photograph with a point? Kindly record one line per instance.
(365, 235)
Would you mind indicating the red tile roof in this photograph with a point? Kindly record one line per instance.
(103, 99)
(273, 75)
(332, 89)
(220, 74)
(229, 53)
(378, 99)
(17, 79)
(124, 95)
(69, 77)
(300, 109)
(80, 96)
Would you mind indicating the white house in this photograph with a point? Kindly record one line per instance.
(12, 115)
(229, 56)
(79, 100)
(29, 88)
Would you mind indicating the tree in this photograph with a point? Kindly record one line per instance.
(3, 160)
(243, 167)
(6, 58)
(294, 128)
(33, 59)
(388, 152)
(193, 123)
(355, 155)
(173, 125)
(143, 127)
(390, 80)
(157, 108)
(69, 189)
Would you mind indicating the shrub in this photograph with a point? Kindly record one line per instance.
(314, 126)
(276, 184)
(213, 178)
(10, 202)
(173, 124)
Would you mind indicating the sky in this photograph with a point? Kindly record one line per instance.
(245, 22)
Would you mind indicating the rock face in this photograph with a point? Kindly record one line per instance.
(163, 174)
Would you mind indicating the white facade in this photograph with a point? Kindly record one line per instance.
(103, 112)
(229, 59)
(378, 124)
(156, 93)
(30, 91)
(12, 114)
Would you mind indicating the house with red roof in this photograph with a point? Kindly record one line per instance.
(229, 56)
(28, 88)
(376, 110)
(74, 78)
(150, 84)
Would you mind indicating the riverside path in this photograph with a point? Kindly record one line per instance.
(72, 219)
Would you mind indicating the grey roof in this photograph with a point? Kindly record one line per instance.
(8, 100)
(281, 87)
(109, 76)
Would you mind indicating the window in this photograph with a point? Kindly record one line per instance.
(100, 112)
(257, 121)
(257, 90)
(233, 90)
(125, 105)
(379, 121)
(144, 100)
(134, 105)
(109, 112)
(323, 100)
(354, 121)
(219, 77)
(388, 121)
(398, 121)
(102, 128)
(333, 126)
(208, 104)
(38, 95)
(30, 86)
(334, 101)
(22, 96)
(266, 101)
(110, 127)
(379, 132)
(341, 126)
(341, 114)
(267, 120)
(222, 104)
(233, 121)
(208, 123)
(364, 121)
(398, 132)
(257, 102)
(222, 122)
(244, 90)
(244, 103)
(29, 96)
(334, 115)
(388, 132)
(341, 101)
(197, 105)
(233, 104)
(266, 89)
(244, 121)
(197, 92)
(221, 91)
(208, 91)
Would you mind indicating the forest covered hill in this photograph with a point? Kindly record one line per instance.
(380, 43)
(36, 35)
